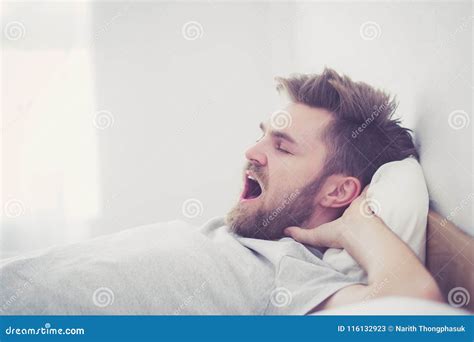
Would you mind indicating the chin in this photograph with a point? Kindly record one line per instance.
(253, 223)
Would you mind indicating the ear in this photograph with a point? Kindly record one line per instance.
(339, 191)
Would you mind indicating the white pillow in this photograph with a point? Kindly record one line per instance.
(398, 195)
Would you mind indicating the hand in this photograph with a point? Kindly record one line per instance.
(377, 250)
(334, 233)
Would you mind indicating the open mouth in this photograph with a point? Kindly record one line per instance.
(252, 187)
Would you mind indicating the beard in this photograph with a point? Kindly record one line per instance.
(293, 209)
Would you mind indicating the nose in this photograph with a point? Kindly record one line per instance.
(256, 155)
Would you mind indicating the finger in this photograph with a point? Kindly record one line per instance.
(320, 236)
(302, 235)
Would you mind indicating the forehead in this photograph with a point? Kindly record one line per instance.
(306, 124)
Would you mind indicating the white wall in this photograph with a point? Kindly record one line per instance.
(422, 52)
(124, 117)
(184, 110)
(50, 176)
(111, 118)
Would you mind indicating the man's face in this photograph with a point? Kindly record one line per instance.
(283, 174)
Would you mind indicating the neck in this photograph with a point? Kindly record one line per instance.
(321, 216)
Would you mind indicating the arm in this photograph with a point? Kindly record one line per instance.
(392, 268)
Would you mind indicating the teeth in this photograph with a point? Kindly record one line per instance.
(250, 177)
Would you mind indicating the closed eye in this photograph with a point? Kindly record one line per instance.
(278, 137)
(279, 149)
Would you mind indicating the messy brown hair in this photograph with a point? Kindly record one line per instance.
(363, 134)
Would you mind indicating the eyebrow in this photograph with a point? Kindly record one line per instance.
(279, 134)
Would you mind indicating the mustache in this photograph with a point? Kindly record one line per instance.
(258, 172)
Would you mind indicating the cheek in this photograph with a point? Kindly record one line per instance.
(277, 177)
(279, 183)
(286, 182)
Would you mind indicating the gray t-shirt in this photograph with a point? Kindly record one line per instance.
(170, 268)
